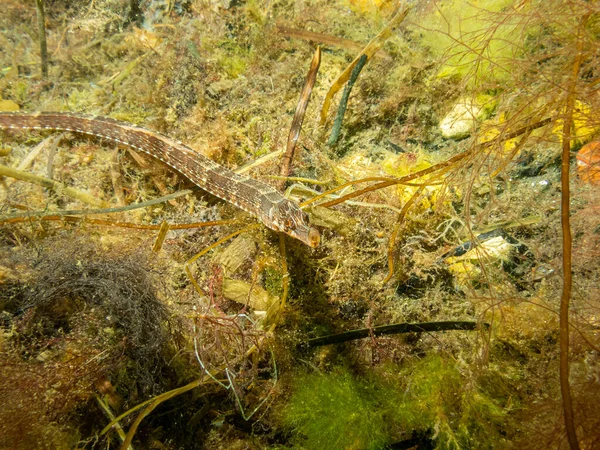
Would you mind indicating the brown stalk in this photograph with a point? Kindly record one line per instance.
(311, 77)
(327, 39)
(354, 182)
(160, 238)
(41, 19)
(110, 223)
(402, 180)
(394, 235)
(389, 181)
(567, 244)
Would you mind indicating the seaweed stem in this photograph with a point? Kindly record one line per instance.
(153, 403)
(390, 180)
(396, 328)
(370, 50)
(405, 180)
(311, 77)
(108, 413)
(394, 234)
(51, 184)
(298, 179)
(41, 19)
(337, 123)
(259, 161)
(567, 245)
(110, 223)
(327, 39)
(160, 238)
(56, 215)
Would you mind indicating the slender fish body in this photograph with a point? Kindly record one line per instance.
(253, 196)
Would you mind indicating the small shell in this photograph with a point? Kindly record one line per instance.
(588, 163)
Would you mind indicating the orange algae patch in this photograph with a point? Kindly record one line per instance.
(588, 163)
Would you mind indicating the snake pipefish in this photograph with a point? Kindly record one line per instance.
(253, 196)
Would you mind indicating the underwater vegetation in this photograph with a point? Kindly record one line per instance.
(339, 410)
(336, 410)
(445, 153)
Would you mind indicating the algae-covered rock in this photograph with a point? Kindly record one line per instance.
(8, 105)
(332, 220)
(241, 249)
(247, 294)
(467, 266)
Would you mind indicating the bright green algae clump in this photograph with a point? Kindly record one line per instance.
(336, 411)
(429, 396)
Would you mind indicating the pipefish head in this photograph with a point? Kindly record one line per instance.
(286, 216)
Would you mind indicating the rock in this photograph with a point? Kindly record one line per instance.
(247, 294)
(465, 116)
(216, 89)
(8, 105)
(241, 249)
(468, 258)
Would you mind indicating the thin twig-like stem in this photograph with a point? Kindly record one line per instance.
(337, 123)
(328, 40)
(51, 215)
(51, 184)
(160, 238)
(152, 404)
(370, 50)
(567, 243)
(41, 19)
(394, 235)
(311, 77)
(405, 180)
(396, 328)
(395, 181)
(115, 224)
